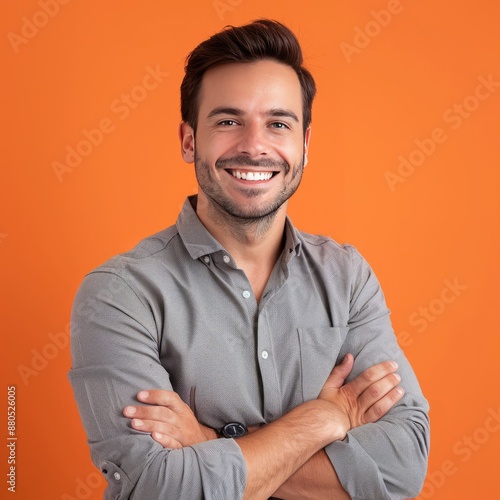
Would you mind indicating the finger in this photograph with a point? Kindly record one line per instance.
(163, 398)
(341, 372)
(159, 413)
(383, 405)
(166, 441)
(370, 376)
(378, 390)
(154, 426)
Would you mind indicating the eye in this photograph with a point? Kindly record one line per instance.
(227, 123)
(279, 125)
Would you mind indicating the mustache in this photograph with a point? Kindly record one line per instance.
(244, 161)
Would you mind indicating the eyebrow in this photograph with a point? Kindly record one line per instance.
(285, 113)
(276, 112)
(225, 111)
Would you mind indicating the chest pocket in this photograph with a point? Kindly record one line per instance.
(319, 351)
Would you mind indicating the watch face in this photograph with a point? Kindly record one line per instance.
(233, 430)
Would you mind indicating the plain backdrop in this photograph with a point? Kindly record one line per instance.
(404, 164)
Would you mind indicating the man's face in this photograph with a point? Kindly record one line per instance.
(249, 145)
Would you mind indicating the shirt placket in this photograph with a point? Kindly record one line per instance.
(272, 403)
(264, 354)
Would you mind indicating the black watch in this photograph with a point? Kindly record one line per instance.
(233, 430)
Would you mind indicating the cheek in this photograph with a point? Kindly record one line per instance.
(293, 156)
(218, 145)
(290, 146)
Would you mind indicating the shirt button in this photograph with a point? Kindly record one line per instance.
(246, 294)
(117, 476)
(265, 354)
(206, 259)
(226, 259)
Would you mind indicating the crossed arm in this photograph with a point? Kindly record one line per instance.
(285, 458)
(115, 347)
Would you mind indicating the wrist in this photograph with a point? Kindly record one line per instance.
(209, 433)
(327, 420)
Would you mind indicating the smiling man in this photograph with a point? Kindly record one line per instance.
(231, 355)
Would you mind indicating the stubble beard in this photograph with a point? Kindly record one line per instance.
(231, 212)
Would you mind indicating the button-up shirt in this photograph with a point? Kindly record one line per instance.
(177, 313)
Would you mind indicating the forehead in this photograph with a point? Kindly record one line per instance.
(255, 86)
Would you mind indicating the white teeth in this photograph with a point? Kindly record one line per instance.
(252, 176)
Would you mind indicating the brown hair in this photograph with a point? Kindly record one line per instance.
(261, 39)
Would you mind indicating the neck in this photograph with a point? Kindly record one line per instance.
(254, 244)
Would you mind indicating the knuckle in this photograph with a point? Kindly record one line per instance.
(394, 396)
(151, 413)
(378, 411)
(368, 375)
(162, 413)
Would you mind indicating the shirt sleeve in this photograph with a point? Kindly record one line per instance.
(115, 354)
(386, 459)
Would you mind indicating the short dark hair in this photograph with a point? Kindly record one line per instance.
(261, 39)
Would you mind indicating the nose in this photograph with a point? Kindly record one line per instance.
(252, 141)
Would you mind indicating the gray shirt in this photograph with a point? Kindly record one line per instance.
(176, 313)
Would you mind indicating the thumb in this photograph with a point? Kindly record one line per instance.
(341, 372)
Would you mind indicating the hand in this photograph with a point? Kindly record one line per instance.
(366, 398)
(169, 420)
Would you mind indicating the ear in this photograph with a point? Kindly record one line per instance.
(186, 136)
(307, 138)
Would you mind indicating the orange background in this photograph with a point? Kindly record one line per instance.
(441, 222)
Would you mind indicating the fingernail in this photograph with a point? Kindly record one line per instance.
(143, 395)
(157, 435)
(394, 364)
(137, 422)
(130, 410)
(400, 390)
(398, 378)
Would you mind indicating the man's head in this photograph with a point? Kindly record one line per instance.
(259, 40)
(246, 109)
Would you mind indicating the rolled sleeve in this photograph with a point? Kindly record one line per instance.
(392, 452)
(115, 351)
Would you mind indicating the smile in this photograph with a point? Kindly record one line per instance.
(252, 176)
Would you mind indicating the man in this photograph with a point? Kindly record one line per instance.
(260, 356)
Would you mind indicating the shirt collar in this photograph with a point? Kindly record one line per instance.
(199, 242)
(293, 241)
